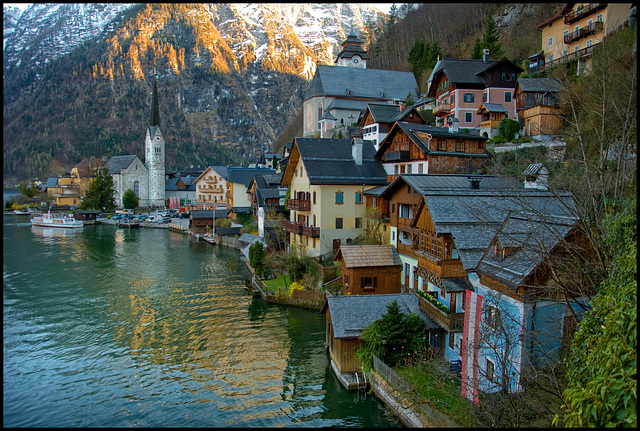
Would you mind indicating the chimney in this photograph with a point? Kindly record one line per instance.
(356, 150)
(474, 182)
(402, 106)
(485, 55)
(453, 124)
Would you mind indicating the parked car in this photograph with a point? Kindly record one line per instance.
(150, 219)
(116, 217)
(163, 220)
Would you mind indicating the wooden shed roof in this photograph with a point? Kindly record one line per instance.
(368, 255)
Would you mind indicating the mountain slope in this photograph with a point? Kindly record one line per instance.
(77, 78)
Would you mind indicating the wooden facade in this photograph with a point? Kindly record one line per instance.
(371, 281)
(343, 350)
(541, 120)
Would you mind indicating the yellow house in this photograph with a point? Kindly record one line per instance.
(576, 29)
(327, 180)
(70, 189)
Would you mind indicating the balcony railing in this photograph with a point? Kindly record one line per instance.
(312, 232)
(292, 227)
(576, 15)
(449, 321)
(566, 58)
(442, 109)
(396, 156)
(586, 31)
(299, 205)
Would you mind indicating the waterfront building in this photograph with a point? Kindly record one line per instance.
(211, 186)
(369, 269)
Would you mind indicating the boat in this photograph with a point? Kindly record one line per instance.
(21, 212)
(28, 211)
(50, 219)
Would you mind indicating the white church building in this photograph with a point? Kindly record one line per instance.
(146, 179)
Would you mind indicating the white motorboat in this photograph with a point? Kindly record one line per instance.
(50, 219)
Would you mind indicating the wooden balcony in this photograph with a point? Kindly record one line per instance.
(311, 232)
(579, 34)
(576, 15)
(299, 205)
(449, 321)
(443, 268)
(442, 110)
(292, 227)
(566, 58)
(491, 124)
(396, 156)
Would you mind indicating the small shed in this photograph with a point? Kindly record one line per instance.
(536, 176)
(347, 316)
(370, 269)
(86, 215)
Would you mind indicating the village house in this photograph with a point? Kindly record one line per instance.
(328, 179)
(369, 269)
(491, 114)
(378, 118)
(211, 186)
(538, 106)
(521, 319)
(423, 149)
(180, 190)
(267, 201)
(238, 181)
(69, 189)
(461, 86)
(451, 245)
(572, 33)
(338, 95)
(347, 316)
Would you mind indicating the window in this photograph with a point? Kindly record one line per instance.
(490, 371)
(393, 235)
(507, 96)
(339, 198)
(589, 43)
(452, 344)
(158, 150)
(338, 222)
(358, 197)
(453, 98)
(395, 169)
(550, 41)
(599, 17)
(469, 97)
(441, 145)
(407, 268)
(492, 316)
(420, 168)
(358, 222)
(551, 57)
(136, 188)
(460, 147)
(468, 117)
(565, 52)
(346, 280)
(368, 282)
(404, 211)
(484, 97)
(314, 198)
(408, 169)
(565, 34)
(576, 48)
(590, 24)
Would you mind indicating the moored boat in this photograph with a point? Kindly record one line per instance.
(50, 219)
(21, 212)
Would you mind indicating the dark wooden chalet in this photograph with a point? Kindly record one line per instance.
(369, 269)
(538, 106)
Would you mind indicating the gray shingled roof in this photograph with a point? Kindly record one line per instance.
(463, 71)
(356, 256)
(330, 161)
(223, 171)
(540, 85)
(347, 104)
(376, 84)
(350, 315)
(533, 169)
(244, 175)
(424, 182)
(383, 112)
(495, 107)
(532, 238)
(479, 214)
(118, 163)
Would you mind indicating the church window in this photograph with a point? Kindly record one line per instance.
(136, 187)
(158, 150)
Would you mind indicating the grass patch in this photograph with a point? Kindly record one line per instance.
(441, 388)
(277, 285)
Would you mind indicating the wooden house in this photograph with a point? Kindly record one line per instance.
(347, 316)
(369, 269)
(423, 149)
(378, 118)
(538, 106)
(491, 114)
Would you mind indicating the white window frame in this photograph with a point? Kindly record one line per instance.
(589, 43)
(576, 48)
(550, 41)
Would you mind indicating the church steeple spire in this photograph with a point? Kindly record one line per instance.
(154, 120)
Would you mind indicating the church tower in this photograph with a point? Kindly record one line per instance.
(155, 154)
(352, 54)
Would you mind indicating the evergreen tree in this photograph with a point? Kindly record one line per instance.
(476, 54)
(409, 100)
(130, 200)
(100, 194)
(491, 39)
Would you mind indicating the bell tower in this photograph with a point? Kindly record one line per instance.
(155, 154)
(352, 54)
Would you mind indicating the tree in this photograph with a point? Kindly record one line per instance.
(393, 337)
(409, 99)
(491, 39)
(130, 200)
(476, 53)
(602, 367)
(257, 256)
(508, 128)
(28, 190)
(99, 195)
